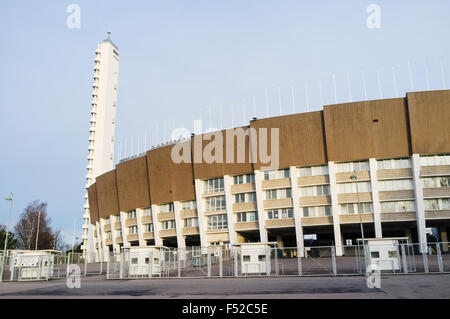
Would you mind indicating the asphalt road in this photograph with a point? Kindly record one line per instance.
(399, 286)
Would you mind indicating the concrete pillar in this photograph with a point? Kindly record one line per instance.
(123, 217)
(139, 214)
(156, 225)
(443, 238)
(420, 208)
(297, 211)
(104, 250)
(181, 242)
(335, 209)
(202, 226)
(375, 198)
(227, 181)
(99, 251)
(114, 233)
(260, 204)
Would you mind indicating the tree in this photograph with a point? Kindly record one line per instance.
(12, 241)
(34, 216)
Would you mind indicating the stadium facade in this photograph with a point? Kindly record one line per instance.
(399, 150)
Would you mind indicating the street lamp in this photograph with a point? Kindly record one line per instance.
(10, 199)
(354, 177)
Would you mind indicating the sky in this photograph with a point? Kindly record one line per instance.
(190, 59)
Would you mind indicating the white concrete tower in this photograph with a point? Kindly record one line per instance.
(101, 139)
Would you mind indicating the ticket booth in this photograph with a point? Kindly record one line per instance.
(384, 252)
(145, 261)
(32, 264)
(255, 257)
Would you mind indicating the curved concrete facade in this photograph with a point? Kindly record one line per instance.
(401, 131)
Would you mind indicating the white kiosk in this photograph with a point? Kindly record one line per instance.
(32, 264)
(255, 257)
(145, 261)
(384, 252)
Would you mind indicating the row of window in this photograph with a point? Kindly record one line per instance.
(191, 222)
(318, 190)
(277, 174)
(214, 185)
(166, 208)
(395, 185)
(190, 204)
(397, 206)
(247, 217)
(214, 203)
(437, 204)
(313, 171)
(280, 213)
(363, 187)
(352, 208)
(435, 160)
(244, 179)
(352, 166)
(217, 222)
(317, 211)
(443, 181)
(168, 224)
(245, 198)
(394, 163)
(278, 193)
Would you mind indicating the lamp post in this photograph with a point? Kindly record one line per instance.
(10, 199)
(354, 177)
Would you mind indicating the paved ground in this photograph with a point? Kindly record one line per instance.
(399, 286)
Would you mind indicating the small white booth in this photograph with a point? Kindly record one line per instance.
(145, 261)
(384, 252)
(255, 257)
(32, 264)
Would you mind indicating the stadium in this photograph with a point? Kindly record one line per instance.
(377, 168)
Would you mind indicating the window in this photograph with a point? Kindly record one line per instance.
(245, 198)
(392, 254)
(239, 198)
(132, 230)
(437, 204)
(191, 204)
(243, 179)
(149, 228)
(352, 166)
(214, 185)
(278, 193)
(191, 222)
(280, 213)
(313, 171)
(131, 214)
(246, 258)
(147, 212)
(261, 257)
(216, 203)
(217, 222)
(352, 208)
(397, 184)
(276, 174)
(319, 190)
(166, 208)
(363, 187)
(168, 224)
(247, 217)
(435, 160)
(375, 254)
(394, 163)
(397, 206)
(134, 261)
(431, 182)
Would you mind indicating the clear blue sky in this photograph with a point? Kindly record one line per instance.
(179, 57)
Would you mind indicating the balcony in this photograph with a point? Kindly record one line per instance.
(190, 231)
(276, 183)
(277, 203)
(166, 216)
(280, 223)
(133, 237)
(148, 235)
(130, 222)
(107, 227)
(146, 219)
(167, 233)
(117, 225)
(241, 226)
(119, 240)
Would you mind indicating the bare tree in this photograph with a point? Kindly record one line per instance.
(34, 215)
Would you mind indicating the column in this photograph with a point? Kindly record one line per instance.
(375, 198)
(156, 225)
(98, 250)
(420, 208)
(124, 229)
(260, 204)
(297, 212)
(227, 181)
(113, 220)
(139, 215)
(104, 250)
(335, 208)
(200, 212)
(181, 242)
